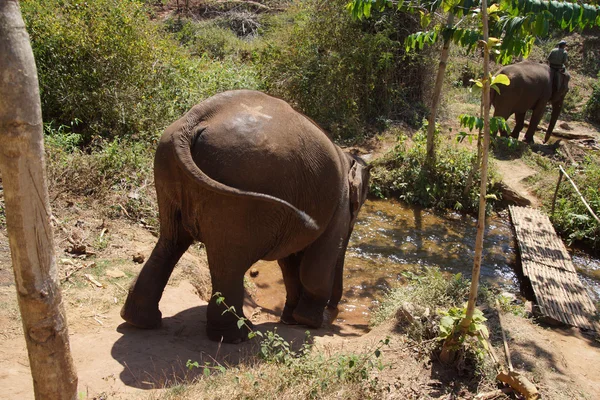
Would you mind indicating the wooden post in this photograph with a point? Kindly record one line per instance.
(560, 175)
(28, 211)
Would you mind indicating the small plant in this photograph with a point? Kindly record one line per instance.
(207, 367)
(450, 324)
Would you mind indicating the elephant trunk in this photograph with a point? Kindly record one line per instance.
(182, 145)
(556, 109)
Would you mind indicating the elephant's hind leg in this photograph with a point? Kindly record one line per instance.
(290, 269)
(536, 117)
(227, 268)
(519, 123)
(141, 307)
(317, 270)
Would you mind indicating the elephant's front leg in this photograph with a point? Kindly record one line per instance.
(227, 270)
(141, 307)
(318, 270)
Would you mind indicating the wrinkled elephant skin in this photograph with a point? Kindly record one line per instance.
(530, 88)
(252, 179)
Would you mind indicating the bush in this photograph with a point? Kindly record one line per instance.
(571, 218)
(105, 63)
(343, 73)
(592, 107)
(402, 173)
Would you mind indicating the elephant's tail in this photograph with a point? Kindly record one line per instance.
(182, 144)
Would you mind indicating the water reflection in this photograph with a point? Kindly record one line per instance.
(390, 238)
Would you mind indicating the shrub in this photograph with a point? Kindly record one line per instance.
(571, 218)
(105, 63)
(592, 107)
(343, 73)
(402, 173)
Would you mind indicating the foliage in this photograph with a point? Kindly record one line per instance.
(403, 174)
(431, 289)
(120, 168)
(592, 107)
(571, 218)
(517, 22)
(344, 84)
(105, 63)
(450, 324)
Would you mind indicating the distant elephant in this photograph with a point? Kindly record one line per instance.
(253, 180)
(531, 88)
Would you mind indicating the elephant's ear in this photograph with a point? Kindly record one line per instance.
(355, 184)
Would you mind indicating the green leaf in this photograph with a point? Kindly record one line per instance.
(241, 323)
(206, 371)
(501, 79)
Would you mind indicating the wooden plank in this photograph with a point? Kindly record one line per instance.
(547, 263)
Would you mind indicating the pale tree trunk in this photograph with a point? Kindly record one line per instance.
(28, 212)
(448, 352)
(437, 91)
(477, 162)
(484, 174)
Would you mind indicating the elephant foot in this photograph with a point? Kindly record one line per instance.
(330, 314)
(287, 316)
(141, 316)
(309, 313)
(229, 333)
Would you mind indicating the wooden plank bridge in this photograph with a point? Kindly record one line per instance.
(546, 262)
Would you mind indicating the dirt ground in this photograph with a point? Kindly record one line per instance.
(115, 361)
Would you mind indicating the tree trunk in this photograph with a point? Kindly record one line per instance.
(484, 174)
(28, 212)
(435, 102)
(448, 353)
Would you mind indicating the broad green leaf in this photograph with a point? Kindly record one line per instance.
(501, 79)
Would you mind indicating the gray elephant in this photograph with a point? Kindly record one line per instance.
(531, 88)
(253, 180)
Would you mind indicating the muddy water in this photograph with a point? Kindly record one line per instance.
(390, 238)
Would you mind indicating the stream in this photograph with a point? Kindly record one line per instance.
(390, 238)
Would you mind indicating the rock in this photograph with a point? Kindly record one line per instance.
(253, 272)
(115, 273)
(566, 126)
(509, 296)
(511, 196)
(139, 258)
(77, 249)
(411, 314)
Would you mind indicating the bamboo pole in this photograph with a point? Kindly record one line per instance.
(28, 212)
(563, 172)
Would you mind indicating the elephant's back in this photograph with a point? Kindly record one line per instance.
(255, 142)
(525, 76)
